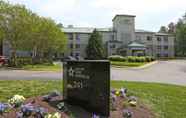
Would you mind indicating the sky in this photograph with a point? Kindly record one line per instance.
(150, 14)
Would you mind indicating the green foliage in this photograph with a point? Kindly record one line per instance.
(181, 38)
(95, 49)
(167, 101)
(127, 64)
(140, 59)
(24, 60)
(43, 67)
(163, 29)
(132, 59)
(25, 30)
(117, 58)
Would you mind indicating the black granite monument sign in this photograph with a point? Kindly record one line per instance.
(87, 84)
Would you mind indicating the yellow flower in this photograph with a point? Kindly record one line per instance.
(117, 93)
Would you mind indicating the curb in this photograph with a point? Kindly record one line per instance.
(141, 67)
(146, 65)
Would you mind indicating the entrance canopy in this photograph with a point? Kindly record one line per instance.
(136, 46)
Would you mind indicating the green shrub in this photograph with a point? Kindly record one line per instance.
(148, 59)
(131, 59)
(24, 60)
(142, 59)
(117, 58)
(153, 59)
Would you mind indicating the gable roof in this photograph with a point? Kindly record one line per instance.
(120, 15)
(143, 31)
(135, 44)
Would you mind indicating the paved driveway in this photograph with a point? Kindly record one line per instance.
(171, 72)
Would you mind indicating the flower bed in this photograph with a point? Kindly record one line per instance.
(52, 106)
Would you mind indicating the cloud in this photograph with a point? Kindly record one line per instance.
(57, 7)
(150, 14)
(140, 6)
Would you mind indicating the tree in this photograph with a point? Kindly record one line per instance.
(14, 24)
(46, 39)
(171, 28)
(60, 25)
(163, 29)
(25, 30)
(95, 49)
(181, 38)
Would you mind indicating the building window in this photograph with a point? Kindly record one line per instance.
(112, 37)
(166, 47)
(166, 39)
(158, 55)
(77, 46)
(166, 55)
(159, 47)
(138, 38)
(112, 46)
(159, 39)
(71, 46)
(149, 38)
(77, 54)
(77, 36)
(71, 54)
(70, 36)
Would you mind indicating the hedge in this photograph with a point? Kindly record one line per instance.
(131, 58)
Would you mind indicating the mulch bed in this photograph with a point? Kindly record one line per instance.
(140, 111)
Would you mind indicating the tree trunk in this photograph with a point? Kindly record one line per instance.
(14, 58)
(34, 55)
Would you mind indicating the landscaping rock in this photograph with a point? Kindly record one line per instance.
(127, 113)
(132, 101)
(48, 97)
(54, 93)
(61, 106)
(133, 98)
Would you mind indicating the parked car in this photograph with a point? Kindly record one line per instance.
(3, 60)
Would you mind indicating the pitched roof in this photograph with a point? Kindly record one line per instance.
(143, 31)
(135, 44)
(85, 29)
(161, 34)
(122, 15)
(78, 30)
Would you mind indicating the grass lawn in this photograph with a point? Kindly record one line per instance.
(168, 101)
(127, 64)
(43, 67)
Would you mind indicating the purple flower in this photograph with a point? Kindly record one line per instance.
(95, 116)
(3, 107)
(27, 109)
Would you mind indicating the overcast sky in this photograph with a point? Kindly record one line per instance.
(150, 14)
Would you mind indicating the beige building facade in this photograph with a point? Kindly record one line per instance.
(121, 39)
